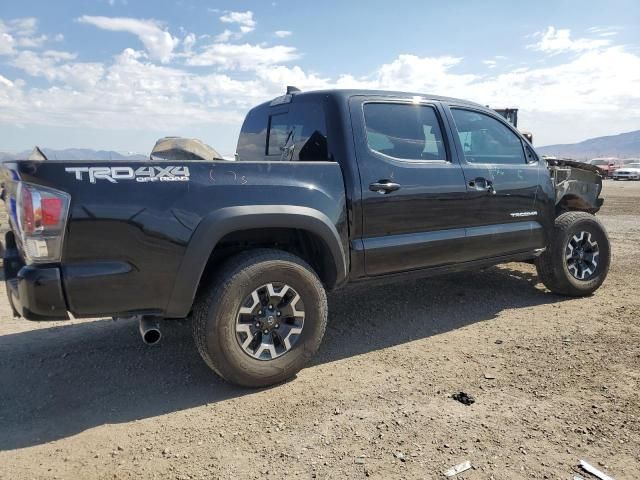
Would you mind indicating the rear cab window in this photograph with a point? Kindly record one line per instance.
(293, 132)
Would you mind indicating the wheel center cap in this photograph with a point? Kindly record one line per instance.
(270, 320)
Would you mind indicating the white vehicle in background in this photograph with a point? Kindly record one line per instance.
(630, 171)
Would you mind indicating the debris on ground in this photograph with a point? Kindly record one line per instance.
(400, 456)
(456, 469)
(594, 471)
(463, 398)
(489, 376)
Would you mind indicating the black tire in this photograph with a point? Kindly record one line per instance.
(218, 304)
(552, 265)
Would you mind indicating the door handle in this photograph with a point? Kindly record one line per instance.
(481, 183)
(384, 186)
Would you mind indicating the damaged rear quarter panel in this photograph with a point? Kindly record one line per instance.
(577, 185)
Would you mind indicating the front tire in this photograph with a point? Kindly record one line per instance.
(577, 260)
(235, 318)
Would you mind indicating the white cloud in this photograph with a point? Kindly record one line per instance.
(51, 66)
(31, 42)
(188, 42)
(158, 41)
(5, 82)
(60, 55)
(587, 92)
(554, 41)
(604, 31)
(24, 27)
(22, 33)
(282, 33)
(426, 74)
(7, 44)
(224, 36)
(244, 19)
(242, 57)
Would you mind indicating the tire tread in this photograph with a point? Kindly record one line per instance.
(551, 272)
(222, 282)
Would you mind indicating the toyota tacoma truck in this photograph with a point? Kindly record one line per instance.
(328, 188)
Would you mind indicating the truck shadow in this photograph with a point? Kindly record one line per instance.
(58, 381)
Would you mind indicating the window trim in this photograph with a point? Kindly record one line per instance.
(454, 129)
(400, 101)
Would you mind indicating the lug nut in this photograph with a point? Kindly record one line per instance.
(278, 313)
(265, 331)
(277, 325)
(259, 312)
(257, 324)
(270, 307)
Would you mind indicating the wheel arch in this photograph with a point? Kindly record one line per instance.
(263, 222)
(578, 203)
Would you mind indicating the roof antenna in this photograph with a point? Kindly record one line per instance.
(291, 89)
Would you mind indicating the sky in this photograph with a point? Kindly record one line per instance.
(119, 74)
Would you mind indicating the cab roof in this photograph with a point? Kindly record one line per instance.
(345, 94)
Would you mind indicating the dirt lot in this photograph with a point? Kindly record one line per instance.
(555, 380)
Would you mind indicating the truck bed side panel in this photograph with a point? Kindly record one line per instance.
(126, 239)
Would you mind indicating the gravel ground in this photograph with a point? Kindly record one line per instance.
(555, 381)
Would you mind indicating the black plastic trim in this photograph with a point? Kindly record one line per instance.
(234, 219)
(36, 293)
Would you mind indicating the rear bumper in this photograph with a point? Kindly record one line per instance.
(35, 293)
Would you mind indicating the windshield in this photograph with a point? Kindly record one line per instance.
(599, 162)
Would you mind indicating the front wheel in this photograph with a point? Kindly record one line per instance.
(577, 260)
(261, 319)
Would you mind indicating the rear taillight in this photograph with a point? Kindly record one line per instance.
(42, 216)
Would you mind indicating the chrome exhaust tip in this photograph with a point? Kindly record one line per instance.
(150, 330)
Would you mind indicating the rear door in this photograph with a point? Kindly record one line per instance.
(413, 189)
(503, 177)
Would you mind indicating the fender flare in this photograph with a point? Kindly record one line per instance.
(227, 220)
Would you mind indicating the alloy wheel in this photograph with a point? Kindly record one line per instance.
(270, 321)
(581, 256)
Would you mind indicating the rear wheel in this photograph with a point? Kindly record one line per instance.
(577, 260)
(261, 319)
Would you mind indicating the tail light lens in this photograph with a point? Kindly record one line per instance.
(42, 217)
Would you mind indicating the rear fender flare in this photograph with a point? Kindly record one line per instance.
(227, 220)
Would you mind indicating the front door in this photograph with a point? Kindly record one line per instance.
(503, 178)
(414, 197)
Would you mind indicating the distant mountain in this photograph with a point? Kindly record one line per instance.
(624, 145)
(76, 154)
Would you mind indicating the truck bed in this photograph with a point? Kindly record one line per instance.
(131, 223)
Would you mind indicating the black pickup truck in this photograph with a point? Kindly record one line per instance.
(327, 188)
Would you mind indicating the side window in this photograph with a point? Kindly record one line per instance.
(486, 140)
(299, 134)
(404, 131)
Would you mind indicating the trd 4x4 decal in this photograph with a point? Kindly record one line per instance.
(140, 174)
